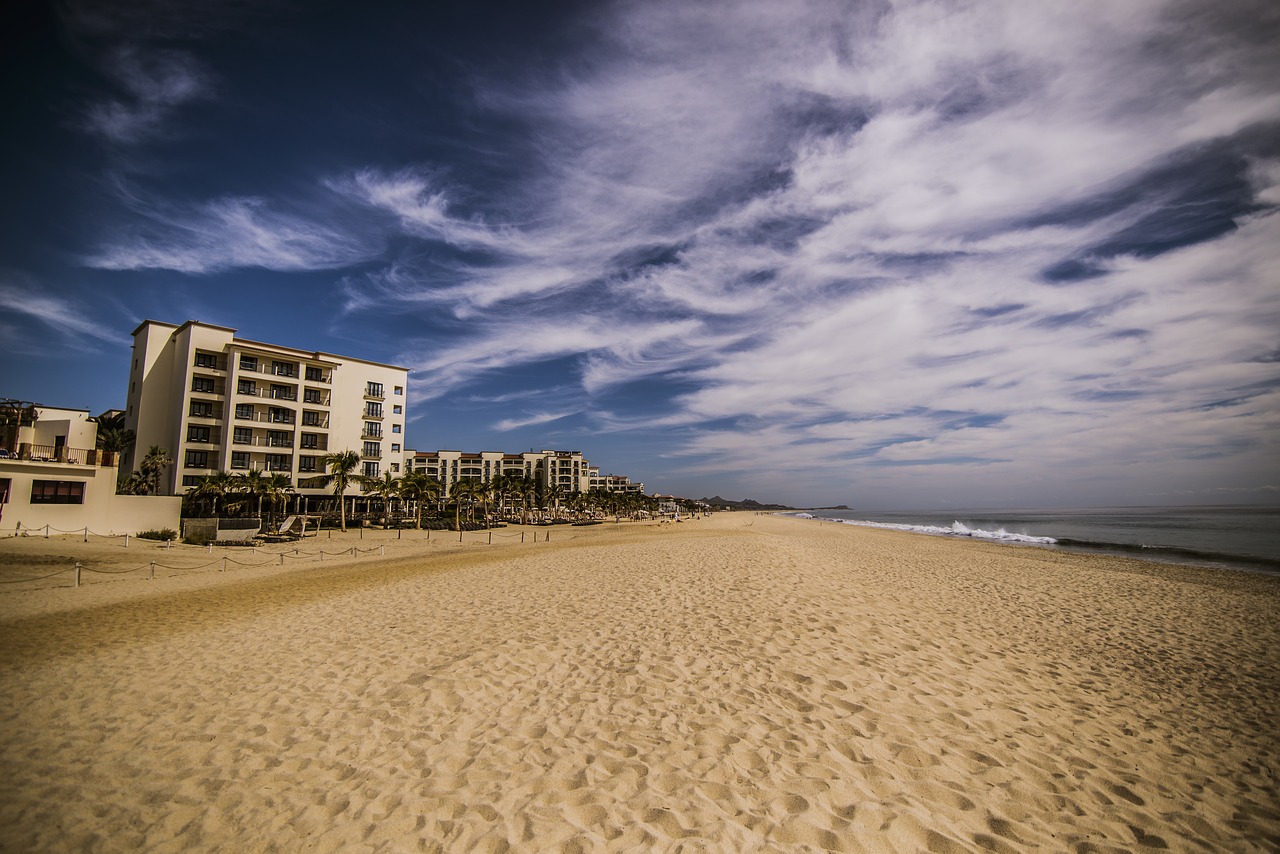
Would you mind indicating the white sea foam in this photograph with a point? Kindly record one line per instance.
(956, 529)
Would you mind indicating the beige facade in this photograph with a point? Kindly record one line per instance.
(221, 403)
(567, 469)
(614, 483)
(55, 477)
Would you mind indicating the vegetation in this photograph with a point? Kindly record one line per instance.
(146, 480)
(162, 534)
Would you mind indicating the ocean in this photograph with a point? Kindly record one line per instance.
(1236, 537)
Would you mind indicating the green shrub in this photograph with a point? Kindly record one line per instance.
(162, 534)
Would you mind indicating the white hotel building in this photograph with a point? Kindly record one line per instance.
(216, 402)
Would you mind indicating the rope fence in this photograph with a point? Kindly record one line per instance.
(279, 559)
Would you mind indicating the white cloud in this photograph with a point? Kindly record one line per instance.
(23, 296)
(154, 84)
(233, 232)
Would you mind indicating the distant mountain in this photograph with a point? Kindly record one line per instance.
(747, 504)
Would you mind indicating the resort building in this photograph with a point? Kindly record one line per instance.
(216, 402)
(614, 482)
(53, 478)
(566, 469)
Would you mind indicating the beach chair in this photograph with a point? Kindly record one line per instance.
(287, 524)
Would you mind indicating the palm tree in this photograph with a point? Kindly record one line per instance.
(386, 487)
(113, 436)
(552, 495)
(212, 488)
(417, 487)
(152, 468)
(253, 484)
(470, 489)
(276, 488)
(342, 467)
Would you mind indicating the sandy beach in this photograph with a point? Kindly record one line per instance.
(737, 683)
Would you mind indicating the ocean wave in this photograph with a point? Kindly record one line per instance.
(955, 529)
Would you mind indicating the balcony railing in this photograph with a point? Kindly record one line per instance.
(59, 454)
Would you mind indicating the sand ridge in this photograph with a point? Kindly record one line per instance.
(741, 683)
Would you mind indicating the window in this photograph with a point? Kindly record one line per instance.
(315, 375)
(191, 479)
(279, 415)
(283, 392)
(395, 428)
(397, 410)
(310, 440)
(311, 419)
(247, 387)
(284, 369)
(399, 389)
(311, 395)
(59, 491)
(373, 389)
(370, 469)
(279, 439)
(372, 449)
(201, 409)
(197, 459)
(249, 363)
(395, 449)
(243, 436)
(307, 464)
(196, 433)
(239, 459)
(204, 385)
(395, 467)
(279, 462)
(372, 429)
(373, 410)
(207, 360)
(244, 410)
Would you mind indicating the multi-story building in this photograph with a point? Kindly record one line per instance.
(614, 482)
(216, 402)
(567, 469)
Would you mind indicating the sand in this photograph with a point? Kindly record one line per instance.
(737, 683)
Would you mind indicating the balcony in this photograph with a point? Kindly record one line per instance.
(374, 456)
(317, 423)
(27, 452)
(373, 414)
(374, 392)
(208, 388)
(370, 434)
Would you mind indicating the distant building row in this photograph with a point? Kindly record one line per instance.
(568, 470)
(221, 403)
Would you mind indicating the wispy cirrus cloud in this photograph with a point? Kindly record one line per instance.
(152, 85)
(232, 232)
(23, 296)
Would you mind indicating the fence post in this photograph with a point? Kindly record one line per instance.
(353, 551)
(322, 554)
(151, 576)
(168, 545)
(382, 551)
(459, 533)
(491, 538)
(522, 537)
(126, 539)
(224, 564)
(46, 530)
(210, 551)
(77, 573)
(282, 558)
(86, 533)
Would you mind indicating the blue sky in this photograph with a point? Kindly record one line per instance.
(893, 255)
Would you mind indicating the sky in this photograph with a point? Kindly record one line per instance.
(892, 255)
